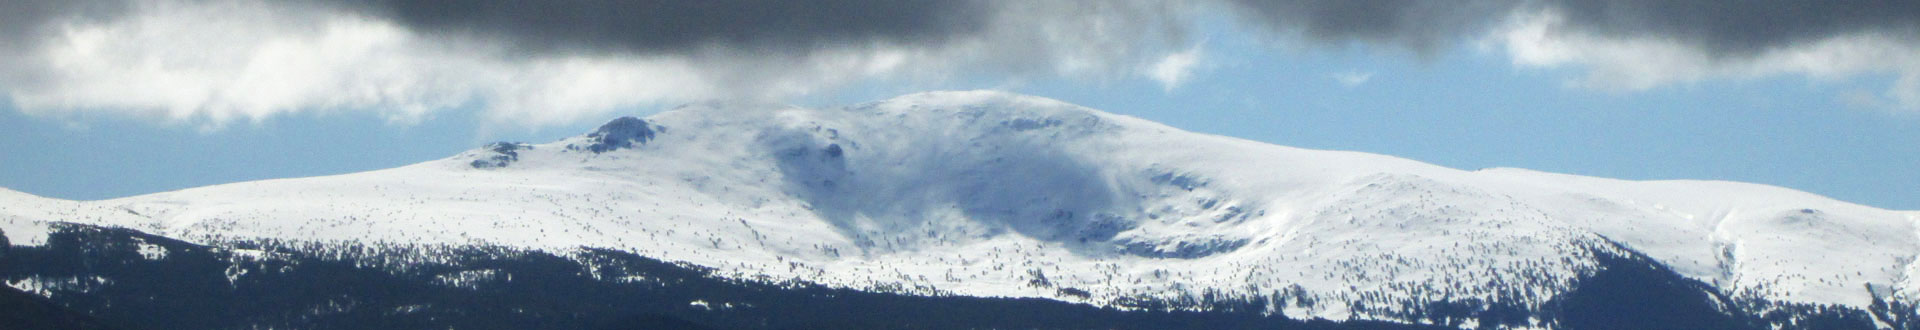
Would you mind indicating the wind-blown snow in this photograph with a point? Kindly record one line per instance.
(994, 194)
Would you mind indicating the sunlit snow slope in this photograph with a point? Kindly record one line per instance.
(994, 194)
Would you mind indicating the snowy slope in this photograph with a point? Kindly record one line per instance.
(25, 218)
(993, 194)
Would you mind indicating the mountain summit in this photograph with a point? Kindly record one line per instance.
(990, 194)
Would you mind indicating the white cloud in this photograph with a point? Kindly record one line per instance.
(1175, 68)
(1541, 40)
(214, 62)
(1351, 79)
(211, 63)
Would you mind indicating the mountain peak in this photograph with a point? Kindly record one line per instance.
(992, 100)
(623, 132)
(967, 96)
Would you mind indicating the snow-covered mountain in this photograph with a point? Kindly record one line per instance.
(992, 194)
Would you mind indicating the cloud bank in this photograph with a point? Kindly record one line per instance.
(1631, 45)
(213, 62)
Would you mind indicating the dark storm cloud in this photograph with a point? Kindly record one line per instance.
(1417, 24)
(1721, 28)
(678, 27)
(1744, 27)
(22, 21)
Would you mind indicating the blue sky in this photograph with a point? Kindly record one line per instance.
(1483, 100)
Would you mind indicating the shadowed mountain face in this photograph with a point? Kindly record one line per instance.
(21, 310)
(199, 287)
(106, 275)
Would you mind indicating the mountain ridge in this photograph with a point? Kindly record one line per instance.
(992, 194)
